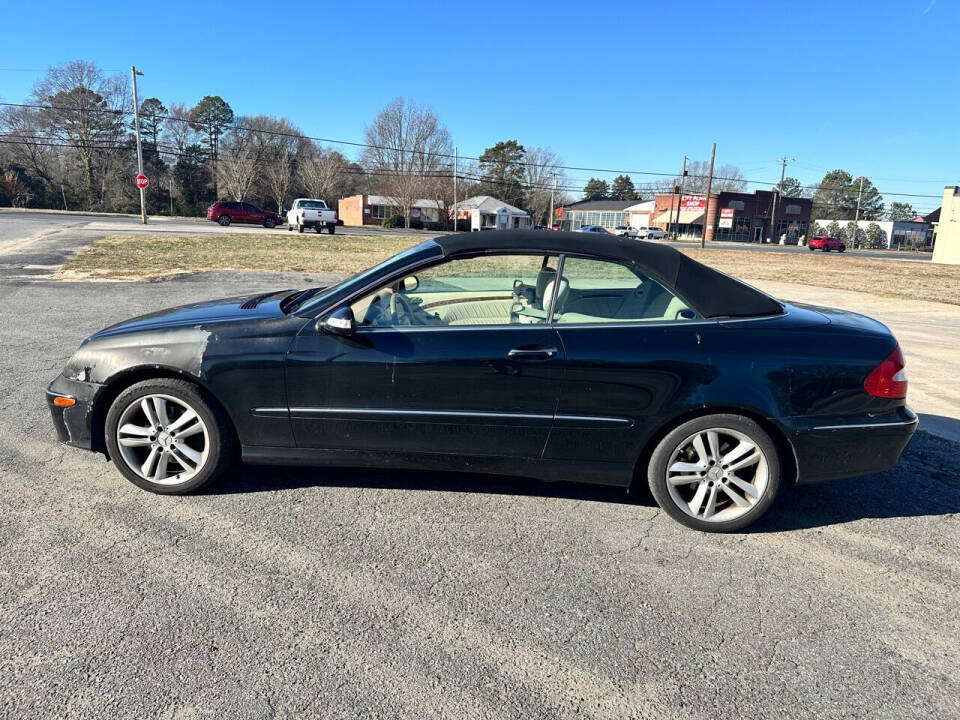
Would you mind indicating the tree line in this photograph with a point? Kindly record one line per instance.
(71, 145)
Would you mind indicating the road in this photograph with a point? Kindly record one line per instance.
(32, 244)
(284, 593)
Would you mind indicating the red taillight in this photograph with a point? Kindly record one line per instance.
(888, 380)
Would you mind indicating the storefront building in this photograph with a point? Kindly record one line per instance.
(746, 217)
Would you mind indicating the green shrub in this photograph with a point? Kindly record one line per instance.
(394, 221)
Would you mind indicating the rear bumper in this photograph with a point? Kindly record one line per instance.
(73, 424)
(830, 450)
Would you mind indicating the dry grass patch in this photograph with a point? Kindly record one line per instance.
(137, 257)
(913, 280)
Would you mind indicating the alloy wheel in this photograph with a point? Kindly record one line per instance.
(163, 439)
(717, 475)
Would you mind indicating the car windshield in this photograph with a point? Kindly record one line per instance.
(312, 205)
(309, 299)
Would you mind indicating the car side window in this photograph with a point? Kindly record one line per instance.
(606, 291)
(501, 289)
(248, 207)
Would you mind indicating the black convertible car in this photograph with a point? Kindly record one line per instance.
(548, 355)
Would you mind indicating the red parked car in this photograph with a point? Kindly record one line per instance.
(225, 213)
(822, 242)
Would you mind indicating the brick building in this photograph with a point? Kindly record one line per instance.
(374, 209)
(734, 216)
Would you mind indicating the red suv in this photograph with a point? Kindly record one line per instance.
(225, 213)
(822, 242)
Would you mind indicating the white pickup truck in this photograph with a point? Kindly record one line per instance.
(307, 213)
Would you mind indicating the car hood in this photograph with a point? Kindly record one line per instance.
(225, 310)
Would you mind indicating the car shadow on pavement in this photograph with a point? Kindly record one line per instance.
(924, 483)
(251, 479)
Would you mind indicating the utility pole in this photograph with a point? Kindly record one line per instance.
(455, 211)
(856, 217)
(706, 204)
(136, 125)
(776, 194)
(553, 191)
(676, 225)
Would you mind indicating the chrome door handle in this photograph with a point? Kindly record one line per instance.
(532, 353)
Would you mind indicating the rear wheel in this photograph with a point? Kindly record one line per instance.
(166, 437)
(331, 229)
(224, 220)
(299, 228)
(716, 473)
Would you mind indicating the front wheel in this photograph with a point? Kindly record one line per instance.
(842, 248)
(716, 473)
(810, 248)
(166, 437)
(269, 223)
(331, 229)
(224, 220)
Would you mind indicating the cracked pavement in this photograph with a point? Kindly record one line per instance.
(283, 593)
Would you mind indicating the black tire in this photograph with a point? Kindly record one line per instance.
(657, 470)
(826, 249)
(221, 450)
(331, 229)
(289, 227)
(299, 228)
(269, 223)
(224, 220)
(842, 248)
(811, 249)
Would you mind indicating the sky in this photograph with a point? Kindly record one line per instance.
(870, 87)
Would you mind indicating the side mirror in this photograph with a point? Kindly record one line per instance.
(409, 283)
(339, 322)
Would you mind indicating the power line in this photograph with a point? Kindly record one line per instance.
(300, 136)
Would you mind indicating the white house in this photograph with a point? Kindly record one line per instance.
(639, 215)
(488, 213)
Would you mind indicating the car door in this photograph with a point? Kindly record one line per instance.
(633, 356)
(449, 362)
(253, 214)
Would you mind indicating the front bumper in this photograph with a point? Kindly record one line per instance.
(73, 424)
(830, 450)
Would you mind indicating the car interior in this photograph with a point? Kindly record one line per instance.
(499, 290)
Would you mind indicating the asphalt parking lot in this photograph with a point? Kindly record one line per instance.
(344, 593)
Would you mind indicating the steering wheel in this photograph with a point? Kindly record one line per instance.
(400, 310)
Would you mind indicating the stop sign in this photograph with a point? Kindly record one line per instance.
(142, 182)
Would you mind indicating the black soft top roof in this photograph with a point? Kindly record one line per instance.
(711, 293)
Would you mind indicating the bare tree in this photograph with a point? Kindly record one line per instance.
(540, 173)
(27, 143)
(726, 178)
(83, 108)
(407, 145)
(244, 153)
(322, 172)
(177, 126)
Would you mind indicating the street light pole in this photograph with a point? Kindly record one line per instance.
(136, 125)
(676, 225)
(456, 212)
(856, 216)
(776, 195)
(553, 190)
(706, 204)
